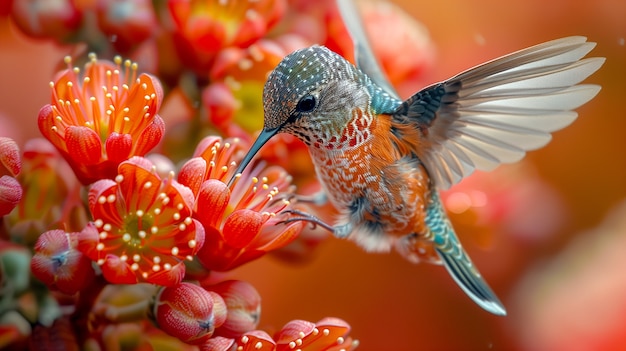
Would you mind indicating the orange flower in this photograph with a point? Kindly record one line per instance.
(104, 118)
(241, 221)
(142, 229)
(204, 27)
(234, 104)
(326, 335)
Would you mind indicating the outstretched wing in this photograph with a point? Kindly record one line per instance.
(363, 54)
(495, 112)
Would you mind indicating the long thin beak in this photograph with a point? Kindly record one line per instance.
(258, 144)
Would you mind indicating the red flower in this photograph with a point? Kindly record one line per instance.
(57, 19)
(142, 229)
(325, 335)
(238, 76)
(129, 22)
(59, 265)
(206, 26)
(242, 221)
(255, 340)
(104, 118)
(189, 312)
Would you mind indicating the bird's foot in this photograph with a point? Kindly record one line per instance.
(307, 217)
(317, 199)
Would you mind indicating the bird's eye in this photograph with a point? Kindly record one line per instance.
(306, 104)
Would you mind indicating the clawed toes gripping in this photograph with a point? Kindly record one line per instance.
(306, 217)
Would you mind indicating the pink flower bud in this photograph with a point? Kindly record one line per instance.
(59, 265)
(244, 307)
(186, 312)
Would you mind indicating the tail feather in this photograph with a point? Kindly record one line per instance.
(469, 279)
(456, 260)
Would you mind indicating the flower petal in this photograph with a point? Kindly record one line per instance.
(139, 186)
(279, 237)
(10, 194)
(218, 343)
(10, 160)
(150, 136)
(212, 201)
(292, 331)
(256, 340)
(47, 127)
(332, 333)
(118, 146)
(117, 271)
(87, 240)
(327, 334)
(102, 199)
(83, 145)
(204, 147)
(241, 227)
(168, 277)
(192, 174)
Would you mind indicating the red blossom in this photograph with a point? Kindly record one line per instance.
(188, 312)
(59, 265)
(127, 23)
(47, 19)
(238, 76)
(242, 221)
(142, 228)
(103, 118)
(203, 27)
(327, 334)
(255, 340)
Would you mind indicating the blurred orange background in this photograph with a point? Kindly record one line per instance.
(561, 292)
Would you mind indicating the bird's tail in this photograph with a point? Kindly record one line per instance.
(456, 260)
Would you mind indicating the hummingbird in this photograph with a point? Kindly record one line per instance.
(382, 161)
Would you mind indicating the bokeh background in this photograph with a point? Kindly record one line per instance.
(557, 262)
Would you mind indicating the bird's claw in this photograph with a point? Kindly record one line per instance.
(306, 217)
(317, 199)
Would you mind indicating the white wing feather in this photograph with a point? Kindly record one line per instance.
(508, 106)
(363, 54)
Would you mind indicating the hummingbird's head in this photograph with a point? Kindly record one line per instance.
(311, 94)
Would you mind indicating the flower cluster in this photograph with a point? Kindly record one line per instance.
(103, 118)
(115, 233)
(244, 222)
